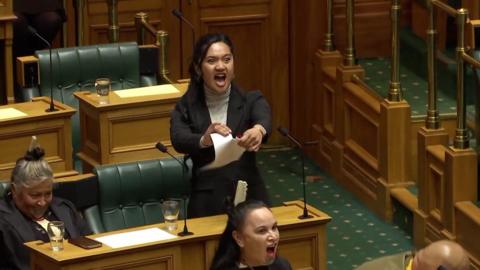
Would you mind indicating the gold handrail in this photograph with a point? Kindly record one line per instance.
(161, 40)
(328, 42)
(113, 27)
(448, 9)
(395, 90)
(461, 140)
(432, 121)
(349, 58)
(470, 60)
(461, 136)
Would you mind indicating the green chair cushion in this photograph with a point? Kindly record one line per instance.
(130, 194)
(77, 68)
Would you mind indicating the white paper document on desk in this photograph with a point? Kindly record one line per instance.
(135, 237)
(227, 151)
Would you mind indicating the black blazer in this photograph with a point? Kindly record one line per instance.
(190, 119)
(15, 230)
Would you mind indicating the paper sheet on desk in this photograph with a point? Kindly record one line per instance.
(135, 237)
(10, 113)
(227, 150)
(147, 91)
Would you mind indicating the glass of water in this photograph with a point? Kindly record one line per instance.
(56, 232)
(170, 210)
(103, 87)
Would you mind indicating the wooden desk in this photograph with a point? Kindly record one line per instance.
(303, 243)
(6, 36)
(125, 129)
(53, 131)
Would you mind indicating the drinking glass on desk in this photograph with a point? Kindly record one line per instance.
(56, 232)
(103, 87)
(170, 210)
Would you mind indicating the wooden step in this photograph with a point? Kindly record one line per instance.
(405, 197)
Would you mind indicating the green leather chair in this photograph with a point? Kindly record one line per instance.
(130, 194)
(77, 68)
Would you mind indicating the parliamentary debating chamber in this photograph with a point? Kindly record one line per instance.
(375, 110)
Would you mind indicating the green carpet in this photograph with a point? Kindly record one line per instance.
(355, 234)
(414, 87)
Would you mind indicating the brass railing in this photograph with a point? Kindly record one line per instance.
(461, 140)
(113, 27)
(432, 121)
(143, 27)
(349, 56)
(328, 45)
(395, 90)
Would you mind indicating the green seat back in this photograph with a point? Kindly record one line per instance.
(77, 68)
(130, 194)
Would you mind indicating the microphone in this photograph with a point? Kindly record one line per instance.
(177, 13)
(162, 148)
(285, 133)
(35, 33)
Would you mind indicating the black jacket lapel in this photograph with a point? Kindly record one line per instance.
(63, 214)
(198, 110)
(236, 111)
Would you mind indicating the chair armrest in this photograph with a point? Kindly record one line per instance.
(94, 220)
(81, 190)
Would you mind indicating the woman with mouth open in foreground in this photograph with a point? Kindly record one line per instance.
(250, 240)
(213, 103)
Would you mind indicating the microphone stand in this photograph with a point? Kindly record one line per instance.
(305, 214)
(177, 13)
(160, 146)
(52, 106)
(35, 32)
(285, 133)
(185, 231)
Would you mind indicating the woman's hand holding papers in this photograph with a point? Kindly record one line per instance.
(219, 128)
(252, 138)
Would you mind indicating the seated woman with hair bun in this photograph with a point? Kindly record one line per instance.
(29, 206)
(250, 240)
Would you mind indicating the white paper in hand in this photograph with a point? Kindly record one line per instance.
(227, 151)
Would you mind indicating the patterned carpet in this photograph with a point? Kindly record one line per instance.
(355, 234)
(413, 86)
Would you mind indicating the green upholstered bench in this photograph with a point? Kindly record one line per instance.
(77, 68)
(130, 194)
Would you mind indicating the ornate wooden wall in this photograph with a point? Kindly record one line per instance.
(258, 28)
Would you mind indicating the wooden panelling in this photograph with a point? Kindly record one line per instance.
(6, 57)
(372, 27)
(419, 23)
(106, 128)
(52, 130)
(303, 244)
(259, 31)
(363, 139)
(306, 25)
(275, 44)
(323, 126)
(467, 222)
(95, 25)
